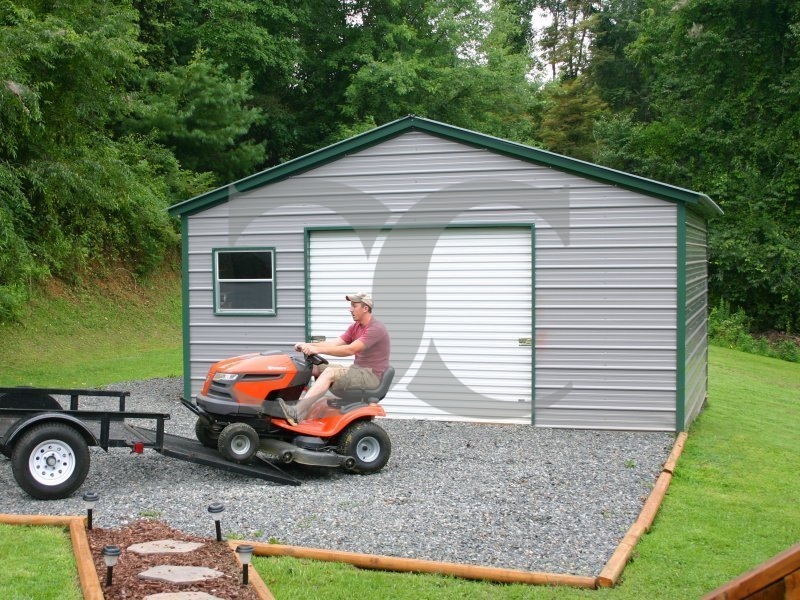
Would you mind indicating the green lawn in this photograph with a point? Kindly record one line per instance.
(733, 502)
(72, 339)
(26, 574)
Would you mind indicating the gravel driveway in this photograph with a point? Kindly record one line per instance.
(508, 496)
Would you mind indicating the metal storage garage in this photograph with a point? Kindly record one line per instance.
(518, 285)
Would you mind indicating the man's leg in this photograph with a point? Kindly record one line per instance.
(322, 384)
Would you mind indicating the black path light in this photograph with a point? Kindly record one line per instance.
(110, 556)
(245, 553)
(89, 500)
(215, 510)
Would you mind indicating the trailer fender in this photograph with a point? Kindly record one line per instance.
(22, 425)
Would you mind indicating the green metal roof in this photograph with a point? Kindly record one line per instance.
(700, 202)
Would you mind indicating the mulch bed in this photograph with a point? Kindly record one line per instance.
(126, 583)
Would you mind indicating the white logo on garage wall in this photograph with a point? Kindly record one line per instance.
(369, 218)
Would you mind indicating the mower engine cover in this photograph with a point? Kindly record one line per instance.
(243, 384)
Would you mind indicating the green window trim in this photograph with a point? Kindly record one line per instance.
(243, 281)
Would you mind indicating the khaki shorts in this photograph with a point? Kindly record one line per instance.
(351, 378)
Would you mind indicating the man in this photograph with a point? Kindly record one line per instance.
(366, 339)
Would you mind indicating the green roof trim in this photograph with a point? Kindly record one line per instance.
(701, 202)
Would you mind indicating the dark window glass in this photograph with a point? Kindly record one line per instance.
(244, 281)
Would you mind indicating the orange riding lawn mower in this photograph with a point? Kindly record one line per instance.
(238, 414)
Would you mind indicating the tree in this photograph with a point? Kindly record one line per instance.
(571, 109)
(201, 114)
(611, 71)
(72, 196)
(722, 117)
(564, 41)
(443, 60)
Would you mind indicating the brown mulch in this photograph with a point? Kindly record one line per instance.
(126, 583)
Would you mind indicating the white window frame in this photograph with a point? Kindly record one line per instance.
(219, 284)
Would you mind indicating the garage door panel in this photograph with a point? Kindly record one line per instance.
(456, 337)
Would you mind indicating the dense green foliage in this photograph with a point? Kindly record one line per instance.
(111, 112)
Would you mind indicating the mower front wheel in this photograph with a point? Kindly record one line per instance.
(205, 434)
(368, 445)
(238, 442)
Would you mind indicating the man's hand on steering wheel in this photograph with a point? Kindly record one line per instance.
(305, 348)
(311, 353)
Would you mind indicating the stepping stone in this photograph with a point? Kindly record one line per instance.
(164, 547)
(181, 596)
(179, 574)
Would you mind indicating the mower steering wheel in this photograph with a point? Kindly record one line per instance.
(316, 359)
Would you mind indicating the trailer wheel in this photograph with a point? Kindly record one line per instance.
(205, 434)
(369, 446)
(50, 461)
(238, 442)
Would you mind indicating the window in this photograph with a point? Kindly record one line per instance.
(244, 281)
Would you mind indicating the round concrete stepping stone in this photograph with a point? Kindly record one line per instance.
(181, 596)
(164, 547)
(179, 574)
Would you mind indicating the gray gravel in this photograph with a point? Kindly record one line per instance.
(507, 496)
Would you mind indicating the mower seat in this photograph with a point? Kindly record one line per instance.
(353, 398)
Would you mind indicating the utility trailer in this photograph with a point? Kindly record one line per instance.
(48, 444)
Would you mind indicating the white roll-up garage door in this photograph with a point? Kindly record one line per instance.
(458, 306)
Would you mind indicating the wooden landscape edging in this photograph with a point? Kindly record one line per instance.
(611, 573)
(779, 577)
(414, 565)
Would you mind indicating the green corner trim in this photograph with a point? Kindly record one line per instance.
(680, 341)
(187, 359)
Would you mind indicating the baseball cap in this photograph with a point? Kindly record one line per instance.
(363, 297)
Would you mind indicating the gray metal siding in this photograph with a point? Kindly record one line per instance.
(606, 316)
(605, 297)
(696, 384)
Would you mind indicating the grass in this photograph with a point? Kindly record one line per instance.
(21, 577)
(66, 338)
(732, 503)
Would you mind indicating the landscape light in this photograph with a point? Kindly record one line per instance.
(216, 510)
(244, 552)
(89, 500)
(110, 556)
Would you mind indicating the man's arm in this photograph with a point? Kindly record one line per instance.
(335, 347)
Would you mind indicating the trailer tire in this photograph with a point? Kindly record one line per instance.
(238, 442)
(50, 461)
(369, 446)
(205, 434)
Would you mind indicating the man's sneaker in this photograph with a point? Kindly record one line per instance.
(290, 414)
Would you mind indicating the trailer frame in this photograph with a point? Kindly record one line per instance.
(48, 444)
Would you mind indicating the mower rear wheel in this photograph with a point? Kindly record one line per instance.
(368, 445)
(238, 442)
(205, 434)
